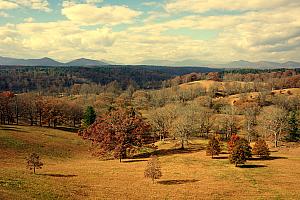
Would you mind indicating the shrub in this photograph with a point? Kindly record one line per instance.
(213, 147)
(153, 169)
(261, 149)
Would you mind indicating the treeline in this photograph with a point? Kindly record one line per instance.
(55, 80)
(275, 79)
(39, 110)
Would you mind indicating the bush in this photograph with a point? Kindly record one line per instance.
(213, 147)
(153, 169)
(261, 149)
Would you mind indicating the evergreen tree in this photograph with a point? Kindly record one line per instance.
(89, 116)
(293, 127)
(241, 152)
(213, 147)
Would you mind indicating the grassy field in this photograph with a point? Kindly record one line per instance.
(70, 172)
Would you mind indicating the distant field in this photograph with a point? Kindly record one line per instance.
(70, 172)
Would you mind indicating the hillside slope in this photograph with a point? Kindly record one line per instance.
(71, 173)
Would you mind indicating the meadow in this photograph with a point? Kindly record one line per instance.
(71, 172)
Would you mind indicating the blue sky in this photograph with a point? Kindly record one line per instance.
(130, 31)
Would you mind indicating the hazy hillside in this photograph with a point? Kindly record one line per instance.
(85, 62)
(44, 62)
(261, 64)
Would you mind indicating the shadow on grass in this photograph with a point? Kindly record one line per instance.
(131, 161)
(68, 129)
(12, 128)
(220, 157)
(176, 182)
(58, 175)
(166, 152)
(270, 158)
(252, 166)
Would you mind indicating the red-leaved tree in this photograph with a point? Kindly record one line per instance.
(117, 132)
(231, 143)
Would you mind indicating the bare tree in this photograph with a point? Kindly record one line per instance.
(34, 162)
(274, 120)
(161, 120)
(250, 110)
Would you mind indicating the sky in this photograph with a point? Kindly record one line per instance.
(130, 31)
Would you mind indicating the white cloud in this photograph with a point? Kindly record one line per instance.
(7, 5)
(87, 14)
(152, 3)
(199, 6)
(53, 38)
(93, 1)
(28, 20)
(42, 5)
(4, 14)
(264, 31)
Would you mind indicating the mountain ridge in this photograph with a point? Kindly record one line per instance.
(84, 62)
(50, 62)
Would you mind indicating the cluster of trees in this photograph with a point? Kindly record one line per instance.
(34, 109)
(275, 79)
(56, 80)
(239, 149)
(181, 122)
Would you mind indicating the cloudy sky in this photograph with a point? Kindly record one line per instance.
(129, 31)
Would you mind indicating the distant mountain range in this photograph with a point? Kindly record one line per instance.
(188, 62)
(83, 62)
(234, 64)
(261, 64)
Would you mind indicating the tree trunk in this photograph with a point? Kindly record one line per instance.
(276, 142)
(40, 119)
(34, 170)
(182, 144)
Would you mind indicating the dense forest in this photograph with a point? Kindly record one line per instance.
(59, 79)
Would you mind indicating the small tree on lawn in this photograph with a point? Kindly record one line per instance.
(89, 116)
(153, 169)
(231, 143)
(261, 149)
(241, 152)
(34, 162)
(213, 147)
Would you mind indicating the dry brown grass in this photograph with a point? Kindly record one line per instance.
(188, 175)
